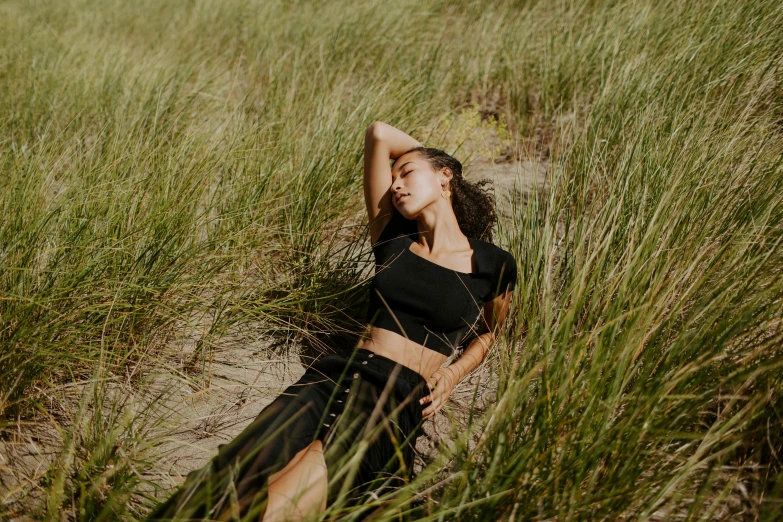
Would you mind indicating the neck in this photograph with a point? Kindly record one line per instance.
(439, 231)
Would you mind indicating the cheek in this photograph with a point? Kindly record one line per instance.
(425, 191)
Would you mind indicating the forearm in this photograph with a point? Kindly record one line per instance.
(472, 356)
(444, 380)
(397, 141)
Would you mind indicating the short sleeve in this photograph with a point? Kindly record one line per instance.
(504, 274)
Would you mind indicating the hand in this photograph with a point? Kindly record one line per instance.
(441, 384)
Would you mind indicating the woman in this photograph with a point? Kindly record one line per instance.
(349, 425)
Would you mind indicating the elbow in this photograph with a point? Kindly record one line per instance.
(489, 342)
(374, 131)
(492, 338)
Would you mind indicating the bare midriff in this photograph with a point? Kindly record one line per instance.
(396, 347)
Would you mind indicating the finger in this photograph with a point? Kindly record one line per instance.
(430, 410)
(432, 406)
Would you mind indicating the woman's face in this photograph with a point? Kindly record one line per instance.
(417, 183)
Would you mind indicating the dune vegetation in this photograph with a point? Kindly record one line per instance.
(180, 179)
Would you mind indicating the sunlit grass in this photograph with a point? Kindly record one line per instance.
(167, 161)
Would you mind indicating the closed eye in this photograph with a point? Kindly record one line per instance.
(404, 173)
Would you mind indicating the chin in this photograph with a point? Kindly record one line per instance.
(406, 213)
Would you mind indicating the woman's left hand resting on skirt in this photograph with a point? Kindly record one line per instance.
(441, 384)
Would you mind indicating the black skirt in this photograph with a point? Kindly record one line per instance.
(340, 400)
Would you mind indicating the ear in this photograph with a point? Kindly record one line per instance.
(445, 175)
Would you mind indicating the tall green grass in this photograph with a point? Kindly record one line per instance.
(166, 159)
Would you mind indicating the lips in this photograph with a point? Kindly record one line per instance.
(399, 197)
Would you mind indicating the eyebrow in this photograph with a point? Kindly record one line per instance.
(401, 166)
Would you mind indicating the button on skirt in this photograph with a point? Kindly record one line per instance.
(363, 407)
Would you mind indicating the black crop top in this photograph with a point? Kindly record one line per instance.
(434, 306)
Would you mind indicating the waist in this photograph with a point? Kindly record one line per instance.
(394, 347)
(378, 362)
(361, 359)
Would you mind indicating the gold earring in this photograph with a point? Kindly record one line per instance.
(445, 194)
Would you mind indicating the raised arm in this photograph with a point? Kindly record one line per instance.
(382, 143)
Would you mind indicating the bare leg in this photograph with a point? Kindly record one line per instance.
(300, 488)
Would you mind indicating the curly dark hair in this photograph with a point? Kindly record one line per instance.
(473, 202)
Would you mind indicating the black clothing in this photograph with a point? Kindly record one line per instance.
(435, 306)
(332, 402)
